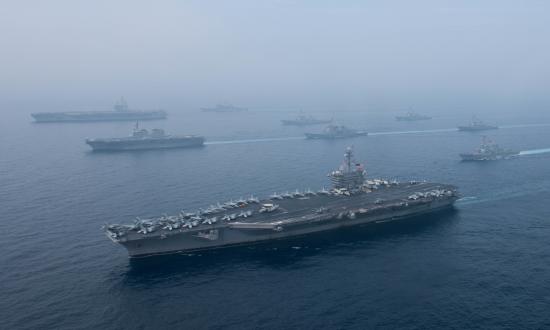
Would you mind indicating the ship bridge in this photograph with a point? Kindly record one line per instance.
(350, 175)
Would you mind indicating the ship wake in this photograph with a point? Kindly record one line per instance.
(291, 138)
(382, 133)
(534, 152)
(507, 193)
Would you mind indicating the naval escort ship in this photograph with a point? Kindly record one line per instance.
(412, 116)
(488, 151)
(120, 112)
(142, 139)
(336, 132)
(353, 200)
(224, 108)
(303, 120)
(476, 125)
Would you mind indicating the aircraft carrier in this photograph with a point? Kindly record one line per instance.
(142, 139)
(353, 200)
(120, 112)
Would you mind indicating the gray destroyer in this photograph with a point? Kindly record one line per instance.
(412, 116)
(303, 120)
(142, 139)
(120, 112)
(476, 125)
(353, 200)
(224, 108)
(332, 132)
(488, 151)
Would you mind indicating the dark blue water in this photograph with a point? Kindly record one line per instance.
(485, 265)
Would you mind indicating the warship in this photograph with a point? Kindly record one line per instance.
(488, 151)
(476, 125)
(120, 112)
(336, 132)
(305, 121)
(353, 200)
(412, 116)
(224, 108)
(142, 139)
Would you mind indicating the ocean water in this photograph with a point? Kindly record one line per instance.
(484, 265)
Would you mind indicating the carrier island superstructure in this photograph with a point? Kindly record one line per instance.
(353, 200)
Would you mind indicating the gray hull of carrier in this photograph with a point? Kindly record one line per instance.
(91, 116)
(146, 144)
(120, 112)
(352, 201)
(143, 139)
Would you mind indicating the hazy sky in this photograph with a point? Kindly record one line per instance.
(275, 53)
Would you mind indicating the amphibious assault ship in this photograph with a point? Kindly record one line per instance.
(353, 200)
(476, 125)
(142, 139)
(488, 151)
(224, 108)
(412, 116)
(120, 112)
(336, 132)
(305, 121)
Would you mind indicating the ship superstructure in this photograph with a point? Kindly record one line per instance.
(350, 174)
(352, 200)
(488, 150)
(120, 112)
(143, 139)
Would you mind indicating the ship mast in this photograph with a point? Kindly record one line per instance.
(348, 156)
(121, 105)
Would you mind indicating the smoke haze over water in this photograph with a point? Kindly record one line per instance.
(437, 56)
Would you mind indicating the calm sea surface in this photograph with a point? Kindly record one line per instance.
(485, 265)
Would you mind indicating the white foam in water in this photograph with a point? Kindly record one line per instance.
(292, 138)
(440, 130)
(256, 140)
(534, 152)
(525, 125)
(467, 200)
(415, 132)
(506, 193)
